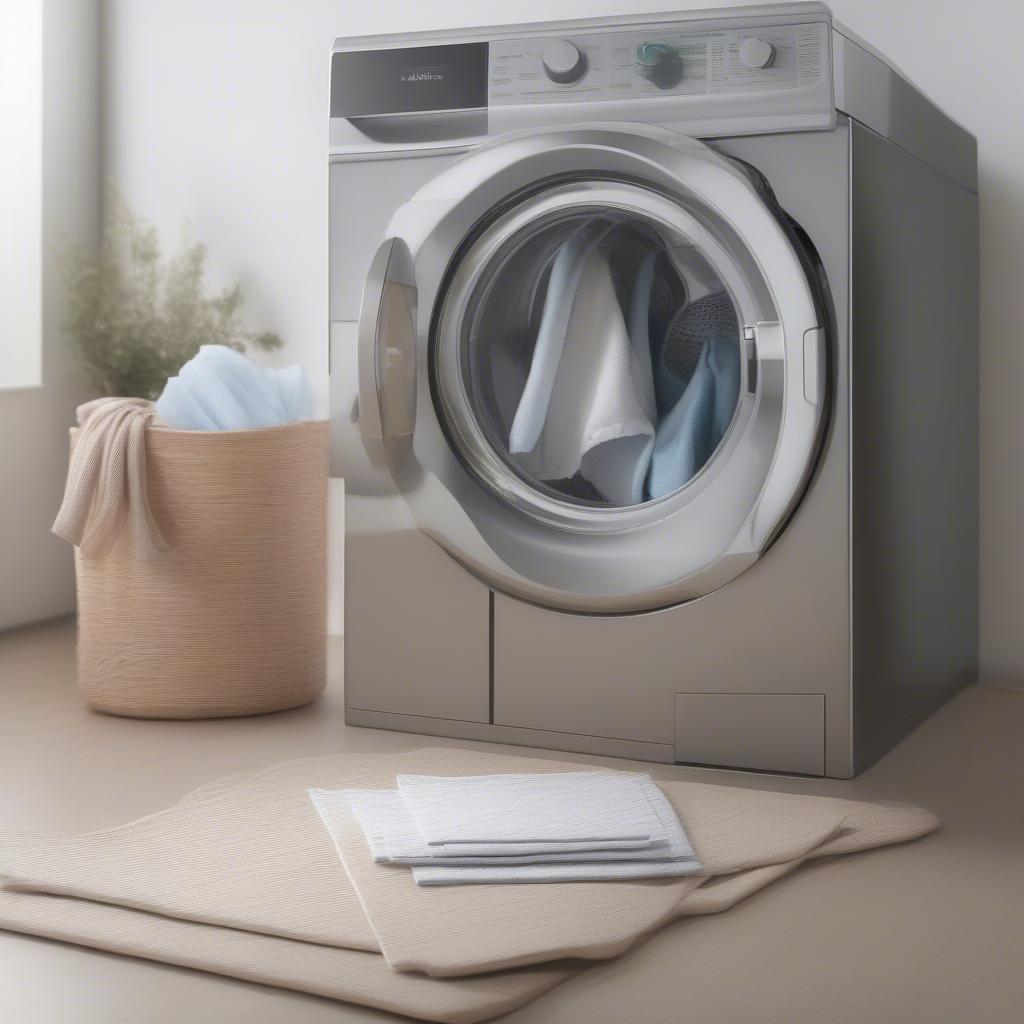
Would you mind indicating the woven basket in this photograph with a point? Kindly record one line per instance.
(233, 620)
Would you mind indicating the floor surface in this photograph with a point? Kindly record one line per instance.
(928, 932)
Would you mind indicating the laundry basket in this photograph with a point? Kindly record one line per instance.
(232, 620)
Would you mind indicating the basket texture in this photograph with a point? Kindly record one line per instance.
(232, 621)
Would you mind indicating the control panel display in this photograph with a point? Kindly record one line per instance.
(414, 79)
(654, 62)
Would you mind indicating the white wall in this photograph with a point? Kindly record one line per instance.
(36, 570)
(21, 196)
(217, 112)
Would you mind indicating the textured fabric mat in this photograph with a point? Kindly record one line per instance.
(347, 975)
(248, 854)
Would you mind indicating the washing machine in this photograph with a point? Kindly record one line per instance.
(654, 377)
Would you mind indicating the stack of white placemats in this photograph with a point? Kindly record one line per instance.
(544, 827)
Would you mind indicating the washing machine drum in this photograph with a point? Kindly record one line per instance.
(593, 362)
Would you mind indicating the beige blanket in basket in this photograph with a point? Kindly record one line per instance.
(240, 878)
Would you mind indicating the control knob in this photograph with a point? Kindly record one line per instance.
(658, 63)
(756, 53)
(564, 62)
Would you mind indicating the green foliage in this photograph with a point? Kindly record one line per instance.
(134, 319)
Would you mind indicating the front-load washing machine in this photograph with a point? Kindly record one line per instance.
(653, 357)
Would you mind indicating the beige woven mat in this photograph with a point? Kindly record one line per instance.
(240, 878)
(347, 975)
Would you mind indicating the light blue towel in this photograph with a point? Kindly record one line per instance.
(221, 389)
(178, 407)
(692, 430)
(233, 388)
(293, 389)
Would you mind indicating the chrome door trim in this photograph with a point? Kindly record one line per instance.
(730, 516)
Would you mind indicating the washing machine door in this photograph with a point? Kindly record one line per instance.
(593, 363)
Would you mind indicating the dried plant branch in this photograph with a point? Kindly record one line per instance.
(133, 319)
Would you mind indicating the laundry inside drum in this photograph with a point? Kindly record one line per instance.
(601, 356)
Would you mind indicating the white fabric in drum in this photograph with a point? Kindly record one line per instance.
(597, 420)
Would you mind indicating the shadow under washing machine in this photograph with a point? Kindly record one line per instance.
(654, 389)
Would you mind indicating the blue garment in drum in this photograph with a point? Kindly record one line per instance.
(688, 436)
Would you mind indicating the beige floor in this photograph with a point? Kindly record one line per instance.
(932, 932)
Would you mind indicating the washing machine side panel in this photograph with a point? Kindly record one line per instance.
(915, 441)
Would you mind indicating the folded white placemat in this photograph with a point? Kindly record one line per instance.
(577, 809)
(545, 872)
(680, 863)
(393, 837)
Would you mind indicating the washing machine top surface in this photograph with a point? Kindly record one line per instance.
(706, 73)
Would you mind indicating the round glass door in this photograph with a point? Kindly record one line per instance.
(620, 367)
(589, 356)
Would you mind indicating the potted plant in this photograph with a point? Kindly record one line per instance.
(134, 319)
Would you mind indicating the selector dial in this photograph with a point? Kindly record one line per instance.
(756, 53)
(658, 63)
(564, 62)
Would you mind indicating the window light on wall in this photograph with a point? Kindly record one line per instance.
(21, 171)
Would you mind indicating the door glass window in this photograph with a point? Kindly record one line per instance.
(600, 356)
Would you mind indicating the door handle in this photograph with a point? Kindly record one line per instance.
(815, 363)
(386, 341)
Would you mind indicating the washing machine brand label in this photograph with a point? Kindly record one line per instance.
(423, 75)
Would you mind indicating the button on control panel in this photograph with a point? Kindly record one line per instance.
(656, 61)
(756, 53)
(564, 62)
(661, 64)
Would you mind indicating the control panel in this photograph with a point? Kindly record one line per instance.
(659, 60)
